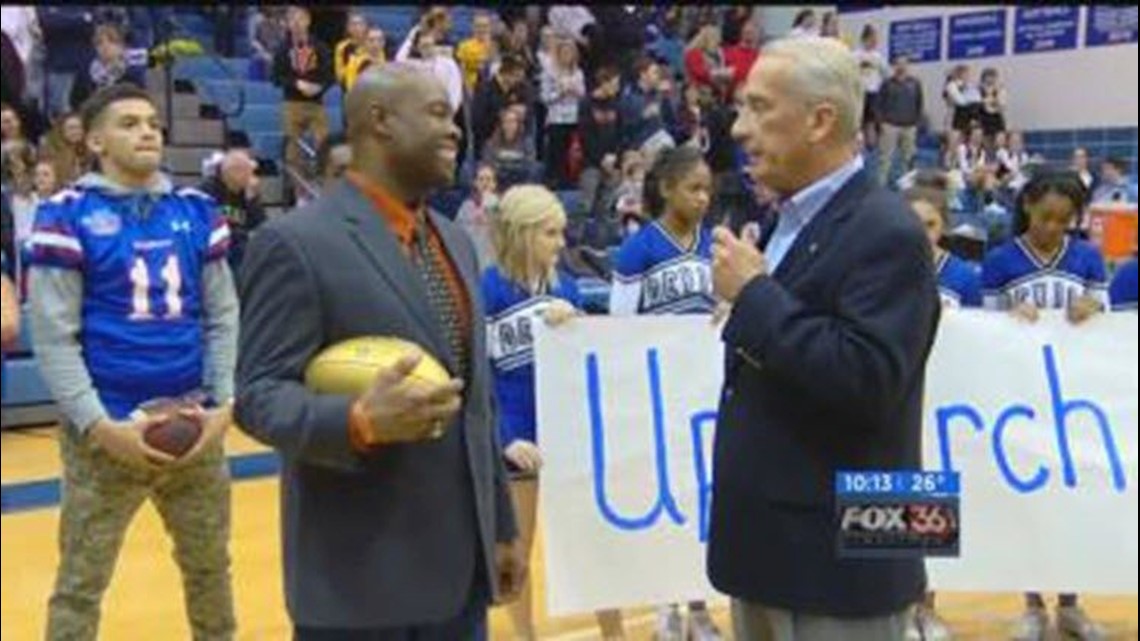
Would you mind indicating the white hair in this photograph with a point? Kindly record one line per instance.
(824, 70)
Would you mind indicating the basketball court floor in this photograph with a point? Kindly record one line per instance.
(145, 597)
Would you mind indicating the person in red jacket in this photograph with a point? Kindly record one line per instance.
(705, 64)
(741, 56)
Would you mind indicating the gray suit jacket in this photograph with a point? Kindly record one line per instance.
(393, 538)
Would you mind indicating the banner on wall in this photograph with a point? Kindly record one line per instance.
(920, 40)
(1045, 28)
(1110, 26)
(1040, 421)
(978, 34)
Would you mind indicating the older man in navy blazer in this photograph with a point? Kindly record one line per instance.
(827, 340)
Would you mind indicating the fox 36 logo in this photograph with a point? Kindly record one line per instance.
(924, 527)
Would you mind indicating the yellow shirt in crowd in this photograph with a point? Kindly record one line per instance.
(472, 54)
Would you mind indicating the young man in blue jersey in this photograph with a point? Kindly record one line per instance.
(132, 301)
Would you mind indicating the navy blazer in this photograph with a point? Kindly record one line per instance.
(824, 371)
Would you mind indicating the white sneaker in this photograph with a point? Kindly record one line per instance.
(670, 627)
(702, 627)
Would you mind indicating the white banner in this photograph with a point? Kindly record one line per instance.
(1040, 420)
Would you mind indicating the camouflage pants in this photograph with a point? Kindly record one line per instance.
(100, 497)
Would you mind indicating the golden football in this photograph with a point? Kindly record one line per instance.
(350, 366)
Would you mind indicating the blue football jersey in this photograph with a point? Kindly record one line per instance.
(512, 313)
(141, 257)
(1123, 288)
(959, 284)
(653, 274)
(1012, 274)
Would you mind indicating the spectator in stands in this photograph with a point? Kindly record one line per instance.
(973, 159)
(333, 158)
(874, 70)
(110, 66)
(645, 111)
(1114, 184)
(475, 52)
(506, 85)
(734, 20)
(804, 25)
(235, 187)
(668, 46)
(563, 86)
(705, 63)
(268, 33)
(948, 158)
(438, 58)
(547, 48)
(436, 22)
(476, 212)
(20, 24)
(1080, 164)
(622, 35)
(901, 110)
(578, 23)
(829, 25)
(515, 40)
(510, 151)
(992, 112)
(355, 40)
(18, 163)
(599, 127)
(689, 124)
(27, 194)
(67, 33)
(963, 100)
(9, 312)
(742, 55)
(303, 68)
(12, 80)
(66, 145)
(628, 198)
(371, 54)
(11, 130)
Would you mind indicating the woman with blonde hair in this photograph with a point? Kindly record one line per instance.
(521, 290)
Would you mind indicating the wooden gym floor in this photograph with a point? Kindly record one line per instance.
(145, 598)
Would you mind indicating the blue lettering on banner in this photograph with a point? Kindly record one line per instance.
(698, 423)
(665, 500)
(1110, 26)
(920, 40)
(1025, 478)
(1062, 411)
(979, 34)
(1045, 28)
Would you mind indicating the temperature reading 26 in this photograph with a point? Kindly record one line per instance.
(924, 483)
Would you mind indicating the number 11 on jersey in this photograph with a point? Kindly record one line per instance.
(171, 276)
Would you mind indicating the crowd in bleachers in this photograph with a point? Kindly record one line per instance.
(579, 98)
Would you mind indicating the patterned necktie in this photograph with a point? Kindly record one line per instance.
(431, 267)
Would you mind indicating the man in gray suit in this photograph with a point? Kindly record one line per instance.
(396, 516)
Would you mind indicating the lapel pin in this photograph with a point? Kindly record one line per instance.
(813, 247)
